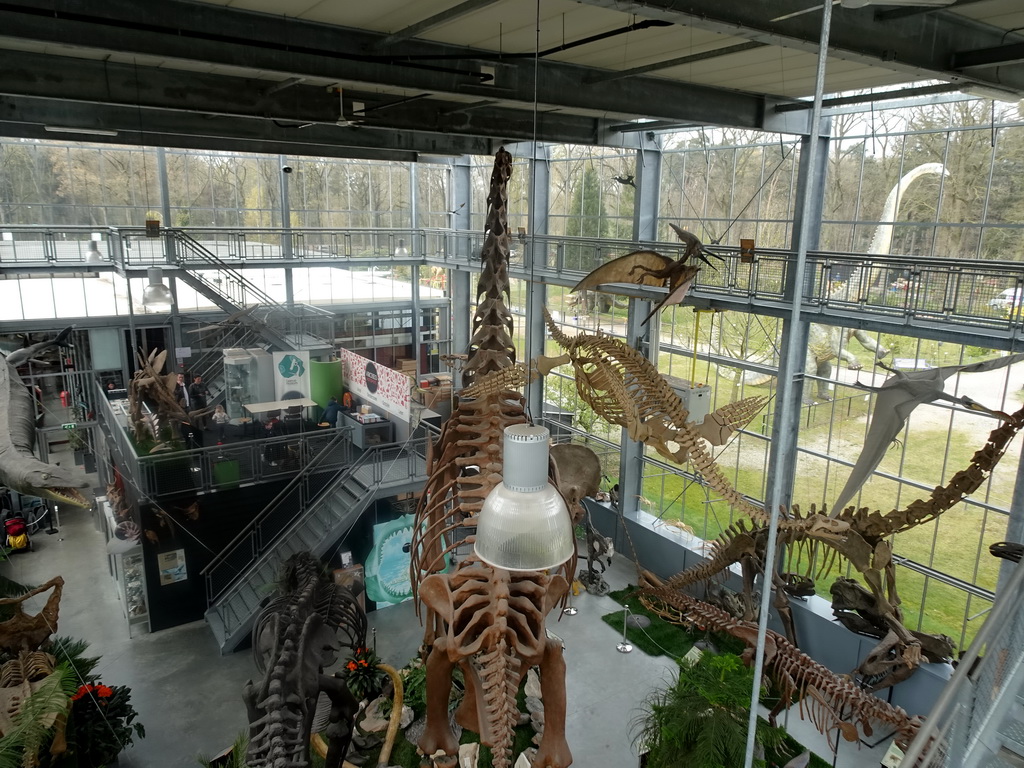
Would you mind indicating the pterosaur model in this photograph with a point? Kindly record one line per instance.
(898, 396)
(653, 268)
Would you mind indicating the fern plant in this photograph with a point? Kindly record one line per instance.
(38, 717)
(700, 719)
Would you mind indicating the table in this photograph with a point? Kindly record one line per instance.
(278, 405)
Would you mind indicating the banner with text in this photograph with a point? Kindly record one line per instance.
(291, 375)
(377, 385)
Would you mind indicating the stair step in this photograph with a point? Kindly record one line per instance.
(216, 626)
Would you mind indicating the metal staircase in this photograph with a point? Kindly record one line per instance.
(298, 326)
(978, 721)
(315, 511)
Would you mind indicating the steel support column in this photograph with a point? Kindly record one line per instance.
(534, 255)
(171, 254)
(647, 199)
(631, 453)
(782, 461)
(286, 225)
(458, 280)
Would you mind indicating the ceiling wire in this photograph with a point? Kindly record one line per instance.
(533, 202)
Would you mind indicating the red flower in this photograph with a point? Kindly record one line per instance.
(102, 691)
(351, 666)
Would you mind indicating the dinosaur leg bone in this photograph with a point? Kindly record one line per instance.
(554, 751)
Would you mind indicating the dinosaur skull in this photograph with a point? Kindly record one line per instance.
(890, 662)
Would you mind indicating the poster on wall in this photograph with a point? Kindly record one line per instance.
(291, 375)
(172, 567)
(387, 566)
(377, 385)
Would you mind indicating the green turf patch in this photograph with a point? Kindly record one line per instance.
(659, 639)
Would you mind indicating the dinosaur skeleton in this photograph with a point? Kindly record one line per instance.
(294, 639)
(151, 386)
(23, 632)
(488, 621)
(824, 696)
(624, 388)
(20, 678)
(865, 546)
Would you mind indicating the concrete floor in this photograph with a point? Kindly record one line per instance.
(189, 696)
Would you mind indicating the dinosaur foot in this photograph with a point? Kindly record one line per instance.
(552, 754)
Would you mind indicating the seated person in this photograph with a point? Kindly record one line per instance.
(273, 452)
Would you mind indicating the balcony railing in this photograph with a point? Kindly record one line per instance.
(900, 289)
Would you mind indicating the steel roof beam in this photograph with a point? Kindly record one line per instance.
(96, 82)
(289, 47)
(921, 46)
(27, 117)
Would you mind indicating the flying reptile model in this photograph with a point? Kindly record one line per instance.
(896, 399)
(653, 268)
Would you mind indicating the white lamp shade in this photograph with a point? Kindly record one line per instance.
(401, 252)
(524, 524)
(156, 294)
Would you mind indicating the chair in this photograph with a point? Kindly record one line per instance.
(293, 413)
(274, 414)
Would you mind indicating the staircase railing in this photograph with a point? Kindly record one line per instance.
(962, 729)
(237, 288)
(280, 514)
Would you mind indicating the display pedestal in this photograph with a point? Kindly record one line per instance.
(370, 435)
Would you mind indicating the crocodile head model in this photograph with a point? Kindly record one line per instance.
(20, 470)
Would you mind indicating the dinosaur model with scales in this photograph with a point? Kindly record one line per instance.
(20, 470)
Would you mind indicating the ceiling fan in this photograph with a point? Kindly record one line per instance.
(855, 4)
(350, 121)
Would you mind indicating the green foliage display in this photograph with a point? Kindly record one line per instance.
(700, 719)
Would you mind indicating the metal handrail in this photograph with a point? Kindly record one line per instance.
(261, 550)
(344, 435)
(192, 246)
(957, 700)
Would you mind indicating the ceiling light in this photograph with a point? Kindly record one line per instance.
(156, 295)
(401, 252)
(88, 131)
(524, 524)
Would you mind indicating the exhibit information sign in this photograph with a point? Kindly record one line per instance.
(291, 375)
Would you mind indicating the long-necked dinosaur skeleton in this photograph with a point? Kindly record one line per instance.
(488, 621)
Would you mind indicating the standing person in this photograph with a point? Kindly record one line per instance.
(198, 393)
(331, 412)
(181, 394)
(220, 419)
